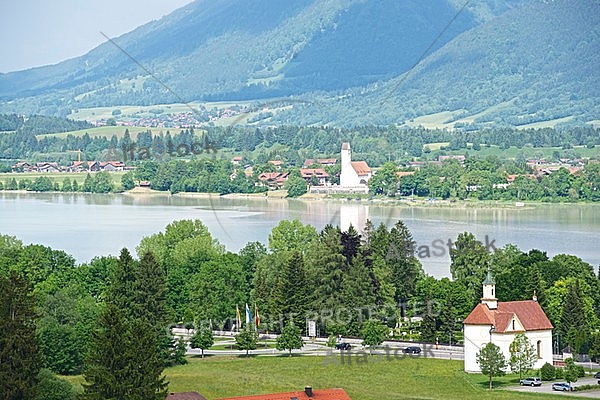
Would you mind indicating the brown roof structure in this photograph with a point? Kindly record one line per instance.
(185, 396)
(325, 394)
(361, 167)
(528, 312)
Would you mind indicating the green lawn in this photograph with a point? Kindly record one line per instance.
(217, 377)
(410, 378)
(55, 176)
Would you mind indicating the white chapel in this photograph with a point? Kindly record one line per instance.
(499, 323)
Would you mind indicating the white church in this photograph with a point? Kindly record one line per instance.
(355, 175)
(499, 323)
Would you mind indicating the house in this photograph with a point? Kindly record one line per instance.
(277, 163)
(77, 166)
(237, 160)
(325, 162)
(354, 173)
(461, 159)
(319, 173)
(22, 167)
(111, 166)
(499, 323)
(185, 396)
(47, 167)
(307, 394)
(274, 180)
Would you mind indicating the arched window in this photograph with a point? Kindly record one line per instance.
(492, 291)
(539, 349)
(514, 325)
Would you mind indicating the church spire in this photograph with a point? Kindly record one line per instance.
(489, 291)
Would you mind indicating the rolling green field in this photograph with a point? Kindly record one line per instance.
(107, 132)
(411, 378)
(56, 176)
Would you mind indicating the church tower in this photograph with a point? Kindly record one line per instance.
(346, 175)
(489, 292)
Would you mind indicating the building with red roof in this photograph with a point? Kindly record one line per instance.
(354, 174)
(499, 323)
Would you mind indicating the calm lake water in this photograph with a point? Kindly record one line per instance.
(87, 225)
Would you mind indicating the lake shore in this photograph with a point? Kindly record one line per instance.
(140, 192)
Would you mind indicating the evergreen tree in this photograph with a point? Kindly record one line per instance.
(19, 354)
(491, 361)
(127, 353)
(405, 267)
(428, 324)
(294, 288)
(290, 338)
(573, 325)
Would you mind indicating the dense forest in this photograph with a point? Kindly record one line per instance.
(341, 279)
(375, 144)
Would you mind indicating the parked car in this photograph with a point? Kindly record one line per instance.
(561, 386)
(412, 349)
(343, 346)
(531, 381)
(597, 375)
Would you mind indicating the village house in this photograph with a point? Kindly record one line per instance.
(47, 167)
(22, 167)
(273, 180)
(324, 162)
(500, 322)
(318, 173)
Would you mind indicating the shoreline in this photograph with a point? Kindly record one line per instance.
(379, 201)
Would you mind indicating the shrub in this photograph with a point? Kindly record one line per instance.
(559, 373)
(547, 372)
(580, 371)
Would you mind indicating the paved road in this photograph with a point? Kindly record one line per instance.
(547, 389)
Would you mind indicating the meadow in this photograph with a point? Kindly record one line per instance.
(424, 378)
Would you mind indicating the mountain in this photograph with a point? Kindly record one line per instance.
(538, 62)
(498, 61)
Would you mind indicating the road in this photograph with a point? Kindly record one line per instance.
(546, 388)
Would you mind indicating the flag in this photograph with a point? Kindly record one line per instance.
(238, 319)
(256, 316)
(248, 316)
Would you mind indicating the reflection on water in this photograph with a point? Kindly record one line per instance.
(87, 225)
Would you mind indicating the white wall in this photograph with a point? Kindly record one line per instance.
(477, 336)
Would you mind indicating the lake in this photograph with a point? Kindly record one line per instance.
(88, 225)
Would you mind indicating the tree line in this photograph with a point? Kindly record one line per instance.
(343, 280)
(293, 144)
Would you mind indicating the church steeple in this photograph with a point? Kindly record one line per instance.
(489, 291)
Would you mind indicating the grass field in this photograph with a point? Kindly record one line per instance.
(56, 176)
(512, 152)
(109, 131)
(410, 378)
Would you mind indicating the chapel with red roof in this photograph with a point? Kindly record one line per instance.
(499, 323)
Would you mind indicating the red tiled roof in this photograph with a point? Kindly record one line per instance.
(185, 396)
(326, 394)
(361, 167)
(309, 172)
(276, 162)
(529, 312)
(400, 174)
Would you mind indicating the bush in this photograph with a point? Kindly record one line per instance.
(53, 388)
(547, 372)
(580, 371)
(559, 373)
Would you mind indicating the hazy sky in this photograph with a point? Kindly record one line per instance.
(40, 32)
